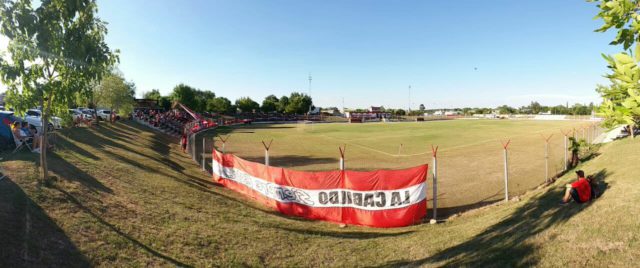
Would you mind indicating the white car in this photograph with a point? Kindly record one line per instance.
(34, 118)
(104, 114)
(87, 114)
(75, 114)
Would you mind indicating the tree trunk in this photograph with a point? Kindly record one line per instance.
(633, 136)
(43, 141)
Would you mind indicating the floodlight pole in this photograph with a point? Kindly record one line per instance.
(434, 150)
(506, 171)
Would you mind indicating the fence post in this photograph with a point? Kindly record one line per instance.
(224, 141)
(566, 149)
(266, 152)
(204, 149)
(506, 171)
(342, 151)
(546, 157)
(434, 150)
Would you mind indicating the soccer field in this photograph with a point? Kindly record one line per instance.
(470, 155)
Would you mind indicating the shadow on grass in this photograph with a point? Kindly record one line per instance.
(29, 237)
(115, 229)
(290, 161)
(505, 243)
(69, 171)
(346, 235)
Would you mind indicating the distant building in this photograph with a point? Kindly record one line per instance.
(375, 109)
(146, 103)
(331, 111)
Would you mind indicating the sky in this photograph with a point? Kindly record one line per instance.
(360, 53)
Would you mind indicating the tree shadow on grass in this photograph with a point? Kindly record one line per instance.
(505, 243)
(64, 169)
(29, 237)
(115, 229)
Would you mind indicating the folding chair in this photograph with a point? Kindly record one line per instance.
(20, 143)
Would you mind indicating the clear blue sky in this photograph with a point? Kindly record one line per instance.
(367, 52)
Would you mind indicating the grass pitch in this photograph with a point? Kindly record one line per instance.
(125, 196)
(470, 154)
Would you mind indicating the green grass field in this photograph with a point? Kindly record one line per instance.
(470, 152)
(125, 196)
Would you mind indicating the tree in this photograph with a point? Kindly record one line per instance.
(621, 99)
(184, 94)
(247, 105)
(505, 109)
(116, 94)
(220, 105)
(422, 108)
(270, 104)
(154, 94)
(299, 103)
(536, 108)
(400, 112)
(56, 50)
(165, 102)
(283, 102)
(201, 99)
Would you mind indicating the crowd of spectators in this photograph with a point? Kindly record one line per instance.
(174, 121)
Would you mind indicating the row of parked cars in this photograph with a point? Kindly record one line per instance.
(34, 118)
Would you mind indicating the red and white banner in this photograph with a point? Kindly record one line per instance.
(382, 198)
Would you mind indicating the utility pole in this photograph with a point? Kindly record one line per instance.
(409, 98)
(311, 105)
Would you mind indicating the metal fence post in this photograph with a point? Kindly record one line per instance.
(506, 171)
(342, 151)
(546, 157)
(434, 150)
(566, 150)
(204, 149)
(266, 152)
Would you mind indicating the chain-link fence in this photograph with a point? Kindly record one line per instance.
(469, 175)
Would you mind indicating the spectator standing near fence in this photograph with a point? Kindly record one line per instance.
(183, 142)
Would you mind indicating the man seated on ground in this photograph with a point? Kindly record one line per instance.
(579, 190)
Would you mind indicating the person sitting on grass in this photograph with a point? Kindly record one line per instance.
(580, 190)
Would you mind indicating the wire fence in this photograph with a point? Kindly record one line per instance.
(469, 175)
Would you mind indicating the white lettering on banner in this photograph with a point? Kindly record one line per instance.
(367, 200)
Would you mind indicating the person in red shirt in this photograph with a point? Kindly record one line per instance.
(580, 190)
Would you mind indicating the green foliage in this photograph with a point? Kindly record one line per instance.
(400, 112)
(299, 103)
(621, 15)
(220, 105)
(165, 102)
(621, 99)
(270, 104)
(116, 94)
(505, 109)
(56, 49)
(154, 94)
(247, 105)
(283, 102)
(193, 98)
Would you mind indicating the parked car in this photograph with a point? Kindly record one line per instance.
(104, 114)
(75, 114)
(87, 113)
(34, 118)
